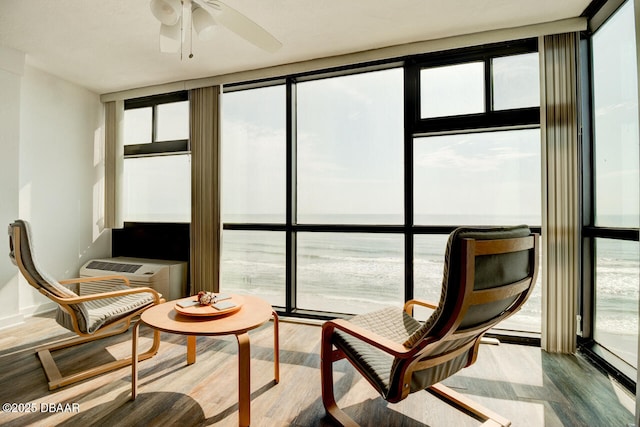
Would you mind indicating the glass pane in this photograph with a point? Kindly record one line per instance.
(516, 81)
(350, 273)
(529, 318)
(253, 262)
(428, 269)
(172, 121)
(617, 279)
(615, 103)
(137, 126)
(350, 149)
(254, 155)
(489, 178)
(157, 189)
(452, 90)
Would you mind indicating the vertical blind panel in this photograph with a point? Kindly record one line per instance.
(113, 163)
(560, 216)
(205, 189)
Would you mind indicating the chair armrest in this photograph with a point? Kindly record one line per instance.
(95, 279)
(408, 306)
(111, 294)
(378, 341)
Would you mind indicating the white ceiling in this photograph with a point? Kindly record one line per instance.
(112, 45)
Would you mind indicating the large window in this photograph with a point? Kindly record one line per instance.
(349, 272)
(452, 90)
(254, 262)
(350, 149)
(157, 188)
(615, 108)
(616, 302)
(615, 182)
(254, 192)
(489, 178)
(157, 168)
(254, 155)
(475, 155)
(340, 190)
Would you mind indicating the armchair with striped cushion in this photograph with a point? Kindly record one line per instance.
(89, 316)
(488, 275)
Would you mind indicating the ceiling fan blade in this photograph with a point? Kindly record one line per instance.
(242, 26)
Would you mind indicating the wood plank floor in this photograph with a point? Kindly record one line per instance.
(524, 384)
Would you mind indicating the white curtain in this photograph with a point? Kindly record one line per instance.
(205, 189)
(561, 191)
(113, 163)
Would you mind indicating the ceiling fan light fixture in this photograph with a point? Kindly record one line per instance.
(170, 38)
(166, 11)
(203, 23)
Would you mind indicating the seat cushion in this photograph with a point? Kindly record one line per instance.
(101, 312)
(390, 322)
(422, 379)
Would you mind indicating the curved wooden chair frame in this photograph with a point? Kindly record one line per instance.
(34, 277)
(425, 354)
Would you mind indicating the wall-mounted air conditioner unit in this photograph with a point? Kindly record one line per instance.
(167, 277)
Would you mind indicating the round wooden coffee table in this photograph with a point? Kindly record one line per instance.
(254, 312)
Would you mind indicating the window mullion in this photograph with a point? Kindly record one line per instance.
(488, 86)
(154, 123)
(411, 113)
(291, 209)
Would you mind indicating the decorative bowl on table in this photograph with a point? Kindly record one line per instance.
(209, 304)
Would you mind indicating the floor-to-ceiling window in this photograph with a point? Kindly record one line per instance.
(340, 188)
(474, 137)
(254, 191)
(612, 276)
(349, 171)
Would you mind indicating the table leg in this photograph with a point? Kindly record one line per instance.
(244, 379)
(276, 348)
(191, 349)
(134, 360)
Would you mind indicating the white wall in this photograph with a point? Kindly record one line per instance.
(54, 179)
(11, 70)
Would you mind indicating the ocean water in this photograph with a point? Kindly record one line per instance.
(617, 278)
(359, 272)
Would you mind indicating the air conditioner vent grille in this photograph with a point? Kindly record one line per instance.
(114, 266)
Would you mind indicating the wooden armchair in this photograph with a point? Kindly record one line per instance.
(489, 273)
(90, 316)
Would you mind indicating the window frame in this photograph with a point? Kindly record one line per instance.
(516, 118)
(155, 147)
(414, 126)
(602, 357)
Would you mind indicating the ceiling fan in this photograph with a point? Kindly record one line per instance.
(178, 18)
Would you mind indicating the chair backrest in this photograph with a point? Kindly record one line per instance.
(74, 317)
(489, 274)
(21, 254)
(478, 260)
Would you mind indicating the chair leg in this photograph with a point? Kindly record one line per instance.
(459, 400)
(55, 378)
(276, 347)
(327, 357)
